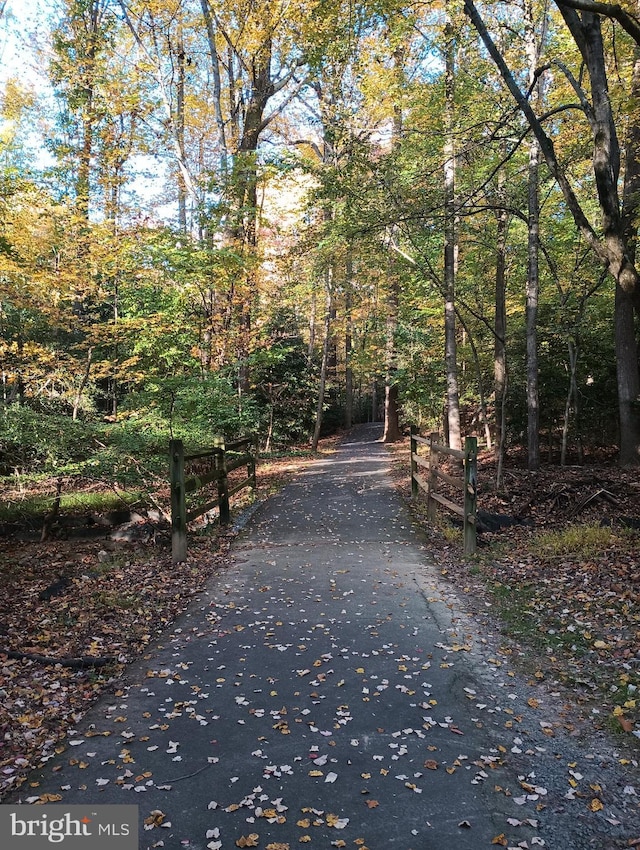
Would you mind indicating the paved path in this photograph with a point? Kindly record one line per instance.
(322, 691)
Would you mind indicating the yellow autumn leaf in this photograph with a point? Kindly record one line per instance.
(269, 813)
(155, 818)
(248, 840)
(596, 805)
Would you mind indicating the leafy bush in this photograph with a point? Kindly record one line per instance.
(193, 409)
(41, 442)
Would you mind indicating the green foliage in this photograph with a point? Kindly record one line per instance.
(582, 541)
(283, 384)
(36, 442)
(193, 408)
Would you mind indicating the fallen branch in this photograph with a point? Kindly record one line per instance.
(599, 494)
(77, 663)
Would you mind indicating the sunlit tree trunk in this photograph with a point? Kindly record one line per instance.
(348, 343)
(180, 130)
(533, 264)
(500, 330)
(450, 355)
(392, 431)
(326, 347)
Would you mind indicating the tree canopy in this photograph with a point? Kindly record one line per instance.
(290, 217)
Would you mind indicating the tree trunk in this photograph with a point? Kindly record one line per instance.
(180, 87)
(392, 431)
(533, 265)
(500, 321)
(626, 340)
(450, 346)
(312, 325)
(571, 404)
(83, 384)
(217, 84)
(348, 345)
(391, 407)
(628, 382)
(533, 289)
(325, 361)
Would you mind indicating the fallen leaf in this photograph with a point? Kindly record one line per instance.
(626, 723)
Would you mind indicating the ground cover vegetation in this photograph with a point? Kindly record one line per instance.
(284, 219)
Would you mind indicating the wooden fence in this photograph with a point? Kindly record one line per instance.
(468, 484)
(221, 459)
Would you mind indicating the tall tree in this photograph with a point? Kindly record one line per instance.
(613, 247)
(533, 241)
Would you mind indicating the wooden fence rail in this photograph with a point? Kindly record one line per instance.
(468, 483)
(223, 458)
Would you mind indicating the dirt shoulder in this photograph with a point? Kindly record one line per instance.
(558, 577)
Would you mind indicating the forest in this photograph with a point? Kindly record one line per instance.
(282, 219)
(285, 218)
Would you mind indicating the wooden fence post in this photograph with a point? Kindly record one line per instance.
(178, 502)
(223, 483)
(433, 477)
(414, 466)
(470, 494)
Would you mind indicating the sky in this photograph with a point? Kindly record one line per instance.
(22, 21)
(24, 25)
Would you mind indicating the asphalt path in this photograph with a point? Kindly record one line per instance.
(323, 690)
